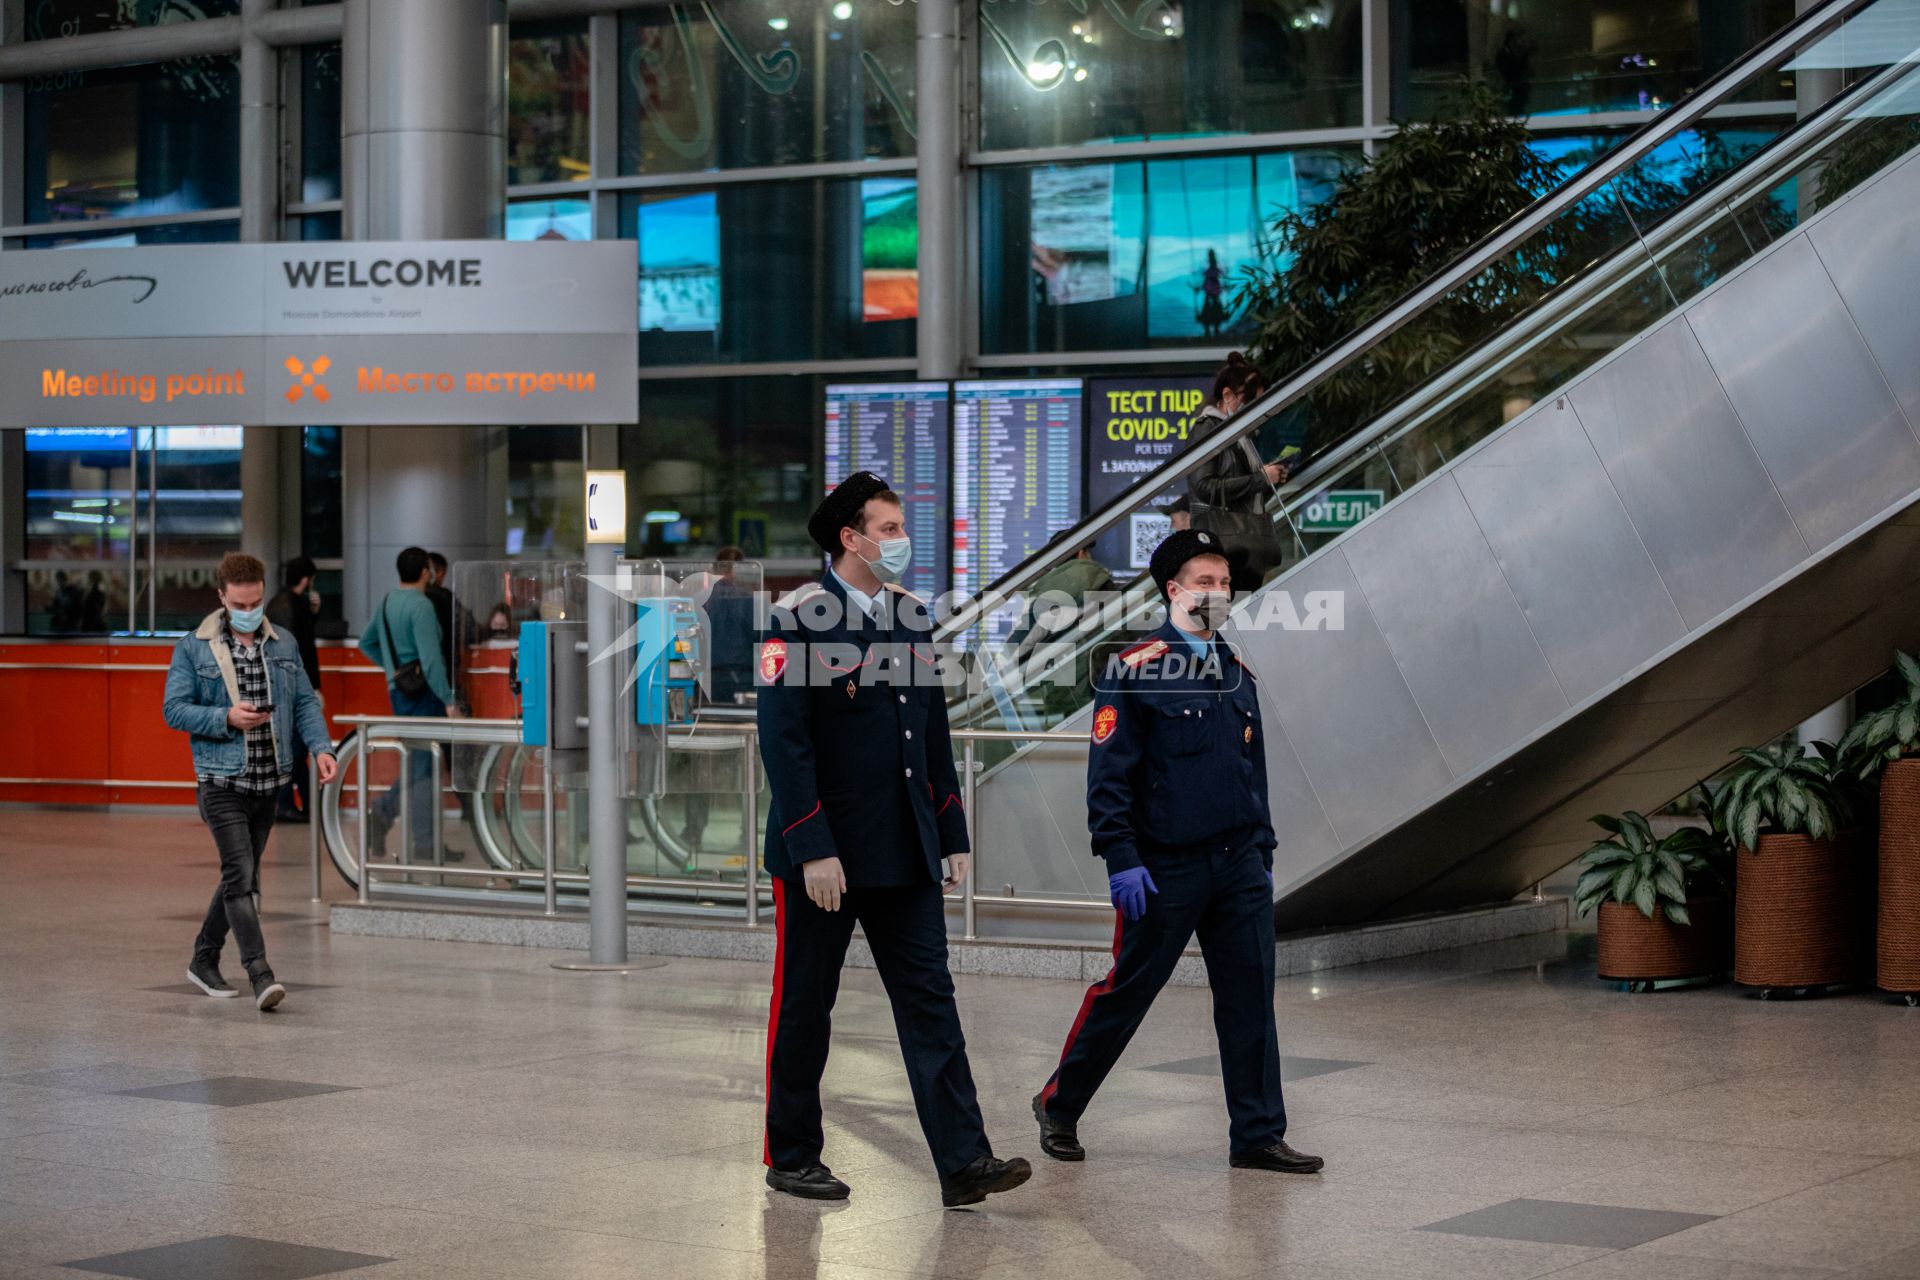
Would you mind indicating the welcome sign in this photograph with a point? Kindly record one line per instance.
(436, 332)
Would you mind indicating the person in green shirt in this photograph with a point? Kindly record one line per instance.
(404, 640)
(1057, 603)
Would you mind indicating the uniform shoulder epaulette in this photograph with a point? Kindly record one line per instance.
(799, 595)
(1145, 651)
(894, 586)
(1244, 666)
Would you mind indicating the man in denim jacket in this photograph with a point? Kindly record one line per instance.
(237, 687)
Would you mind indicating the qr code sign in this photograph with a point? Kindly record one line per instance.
(1147, 531)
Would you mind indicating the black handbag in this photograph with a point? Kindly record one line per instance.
(411, 679)
(1251, 537)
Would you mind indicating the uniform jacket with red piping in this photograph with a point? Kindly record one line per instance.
(1178, 759)
(853, 733)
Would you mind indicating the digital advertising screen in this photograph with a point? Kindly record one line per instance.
(1017, 454)
(679, 238)
(899, 431)
(1135, 426)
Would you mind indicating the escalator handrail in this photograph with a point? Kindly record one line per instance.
(1689, 111)
(1764, 170)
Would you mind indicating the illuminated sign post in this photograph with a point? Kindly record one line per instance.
(453, 332)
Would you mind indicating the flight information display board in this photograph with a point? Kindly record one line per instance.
(1017, 451)
(899, 431)
(1135, 427)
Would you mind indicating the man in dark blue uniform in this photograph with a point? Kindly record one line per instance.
(866, 803)
(1177, 803)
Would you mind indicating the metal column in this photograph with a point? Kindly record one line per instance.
(423, 119)
(606, 807)
(937, 111)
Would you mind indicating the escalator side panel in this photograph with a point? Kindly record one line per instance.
(1453, 624)
(1808, 391)
(1346, 709)
(1576, 565)
(1543, 834)
(1870, 247)
(1689, 479)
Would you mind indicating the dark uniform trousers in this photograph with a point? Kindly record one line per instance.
(861, 768)
(907, 930)
(1220, 891)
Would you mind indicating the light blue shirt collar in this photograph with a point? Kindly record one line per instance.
(859, 599)
(1194, 642)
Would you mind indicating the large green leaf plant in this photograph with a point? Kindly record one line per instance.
(1654, 874)
(1880, 737)
(1783, 789)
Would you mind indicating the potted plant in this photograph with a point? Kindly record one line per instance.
(1795, 888)
(1884, 746)
(1663, 902)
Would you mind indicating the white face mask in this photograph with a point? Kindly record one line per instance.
(1208, 610)
(895, 555)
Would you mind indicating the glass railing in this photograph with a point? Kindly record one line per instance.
(1588, 267)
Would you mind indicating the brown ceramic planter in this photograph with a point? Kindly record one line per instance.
(1636, 949)
(1796, 913)
(1897, 964)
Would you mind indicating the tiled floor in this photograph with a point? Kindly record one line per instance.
(418, 1111)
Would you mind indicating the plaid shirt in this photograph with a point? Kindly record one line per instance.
(262, 773)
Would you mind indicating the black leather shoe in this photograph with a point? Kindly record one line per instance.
(1057, 1138)
(815, 1182)
(984, 1177)
(1278, 1158)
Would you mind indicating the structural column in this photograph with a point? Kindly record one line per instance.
(941, 198)
(423, 157)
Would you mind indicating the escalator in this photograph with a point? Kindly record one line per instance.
(1661, 510)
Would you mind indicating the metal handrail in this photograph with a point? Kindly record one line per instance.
(1716, 92)
(435, 730)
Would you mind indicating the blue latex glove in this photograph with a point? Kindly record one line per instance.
(1130, 889)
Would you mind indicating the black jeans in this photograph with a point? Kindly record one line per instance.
(240, 822)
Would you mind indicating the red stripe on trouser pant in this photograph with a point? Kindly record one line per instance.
(773, 1014)
(1094, 992)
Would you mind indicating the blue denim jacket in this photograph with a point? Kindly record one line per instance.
(202, 688)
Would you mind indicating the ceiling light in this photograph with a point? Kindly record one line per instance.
(843, 10)
(778, 24)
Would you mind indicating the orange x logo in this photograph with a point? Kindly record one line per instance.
(306, 379)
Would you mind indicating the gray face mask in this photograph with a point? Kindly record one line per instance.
(1208, 609)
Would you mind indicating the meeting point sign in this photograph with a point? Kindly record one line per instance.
(375, 333)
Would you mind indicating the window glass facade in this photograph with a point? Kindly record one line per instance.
(725, 461)
(320, 122)
(57, 19)
(746, 83)
(815, 270)
(547, 91)
(546, 502)
(1133, 253)
(219, 231)
(133, 141)
(95, 497)
(1054, 74)
(1568, 57)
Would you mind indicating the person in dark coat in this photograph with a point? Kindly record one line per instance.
(1235, 483)
(866, 803)
(1177, 805)
(293, 609)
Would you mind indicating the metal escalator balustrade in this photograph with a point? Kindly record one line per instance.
(1579, 603)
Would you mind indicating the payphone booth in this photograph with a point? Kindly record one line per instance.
(684, 679)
